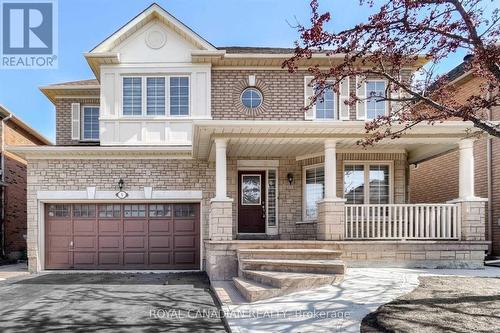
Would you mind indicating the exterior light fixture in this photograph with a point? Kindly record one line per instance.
(121, 194)
(290, 178)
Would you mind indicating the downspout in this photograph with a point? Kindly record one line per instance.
(2, 166)
(489, 152)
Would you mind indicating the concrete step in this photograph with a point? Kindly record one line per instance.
(253, 291)
(319, 254)
(291, 281)
(298, 266)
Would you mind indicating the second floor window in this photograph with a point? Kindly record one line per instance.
(90, 123)
(325, 106)
(155, 96)
(375, 89)
(179, 96)
(132, 96)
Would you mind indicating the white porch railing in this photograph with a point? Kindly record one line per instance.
(402, 221)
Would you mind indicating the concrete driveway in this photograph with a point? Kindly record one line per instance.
(109, 302)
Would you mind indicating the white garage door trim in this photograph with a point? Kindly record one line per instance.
(92, 196)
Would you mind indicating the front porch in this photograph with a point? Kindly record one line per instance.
(289, 191)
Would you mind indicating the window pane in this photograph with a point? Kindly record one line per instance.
(184, 210)
(155, 96)
(134, 210)
(374, 107)
(250, 190)
(179, 96)
(132, 96)
(251, 98)
(271, 197)
(90, 123)
(379, 184)
(354, 184)
(160, 210)
(59, 210)
(314, 191)
(325, 106)
(84, 210)
(113, 211)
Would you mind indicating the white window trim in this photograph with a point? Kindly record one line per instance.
(82, 122)
(144, 96)
(386, 103)
(305, 219)
(366, 165)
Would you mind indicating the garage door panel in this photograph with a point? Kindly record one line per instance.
(109, 226)
(85, 226)
(160, 242)
(134, 258)
(110, 243)
(163, 226)
(134, 242)
(184, 257)
(122, 236)
(181, 242)
(133, 226)
(57, 260)
(58, 243)
(184, 226)
(85, 259)
(160, 258)
(110, 258)
(59, 227)
(84, 243)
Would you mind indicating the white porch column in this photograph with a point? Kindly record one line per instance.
(466, 169)
(220, 169)
(330, 169)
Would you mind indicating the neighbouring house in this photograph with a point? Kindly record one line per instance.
(442, 171)
(183, 155)
(13, 213)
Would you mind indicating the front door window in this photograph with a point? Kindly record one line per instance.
(251, 190)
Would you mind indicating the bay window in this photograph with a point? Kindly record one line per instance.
(154, 95)
(367, 183)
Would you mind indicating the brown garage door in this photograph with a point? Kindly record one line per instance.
(122, 236)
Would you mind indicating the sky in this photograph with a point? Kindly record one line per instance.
(83, 24)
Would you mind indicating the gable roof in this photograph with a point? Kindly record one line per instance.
(4, 113)
(154, 11)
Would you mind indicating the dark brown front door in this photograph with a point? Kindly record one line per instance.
(122, 236)
(252, 202)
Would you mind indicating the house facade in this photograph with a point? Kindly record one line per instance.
(13, 209)
(443, 171)
(180, 154)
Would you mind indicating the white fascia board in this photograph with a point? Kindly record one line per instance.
(106, 196)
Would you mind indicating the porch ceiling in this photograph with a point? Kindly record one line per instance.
(302, 139)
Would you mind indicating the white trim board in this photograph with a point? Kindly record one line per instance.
(85, 195)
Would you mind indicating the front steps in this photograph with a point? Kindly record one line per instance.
(267, 273)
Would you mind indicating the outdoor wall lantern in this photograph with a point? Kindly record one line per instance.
(121, 193)
(290, 178)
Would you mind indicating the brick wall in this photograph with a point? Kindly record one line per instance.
(436, 180)
(63, 119)
(15, 191)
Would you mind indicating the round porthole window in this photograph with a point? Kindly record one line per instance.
(251, 98)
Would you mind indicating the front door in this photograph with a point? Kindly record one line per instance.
(251, 202)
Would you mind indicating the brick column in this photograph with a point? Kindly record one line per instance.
(472, 215)
(220, 220)
(331, 219)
